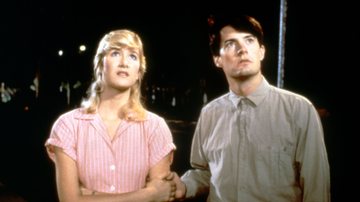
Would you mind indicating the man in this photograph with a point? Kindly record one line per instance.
(257, 142)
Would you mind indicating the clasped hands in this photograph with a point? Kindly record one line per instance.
(167, 188)
(174, 188)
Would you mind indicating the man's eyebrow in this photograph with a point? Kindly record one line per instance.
(230, 40)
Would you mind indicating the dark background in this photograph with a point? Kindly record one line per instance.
(322, 39)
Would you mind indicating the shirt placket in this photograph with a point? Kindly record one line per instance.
(112, 169)
(242, 148)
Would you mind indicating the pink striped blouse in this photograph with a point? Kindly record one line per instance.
(112, 166)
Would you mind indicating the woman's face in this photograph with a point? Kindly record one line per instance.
(121, 68)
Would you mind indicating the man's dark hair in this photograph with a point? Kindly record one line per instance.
(240, 23)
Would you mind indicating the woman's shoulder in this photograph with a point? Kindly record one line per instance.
(76, 113)
(70, 113)
(152, 116)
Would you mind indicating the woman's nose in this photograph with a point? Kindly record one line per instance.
(123, 61)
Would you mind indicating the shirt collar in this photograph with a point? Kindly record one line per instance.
(80, 114)
(256, 97)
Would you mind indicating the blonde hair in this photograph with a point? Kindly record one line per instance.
(134, 109)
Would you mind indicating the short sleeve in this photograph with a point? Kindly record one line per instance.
(63, 136)
(161, 141)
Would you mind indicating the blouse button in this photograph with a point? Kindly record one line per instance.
(112, 188)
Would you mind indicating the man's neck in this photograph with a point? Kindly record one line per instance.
(244, 87)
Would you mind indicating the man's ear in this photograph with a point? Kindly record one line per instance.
(262, 52)
(217, 61)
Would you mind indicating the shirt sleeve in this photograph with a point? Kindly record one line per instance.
(312, 156)
(61, 136)
(161, 142)
(197, 179)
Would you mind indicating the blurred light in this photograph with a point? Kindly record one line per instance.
(60, 53)
(82, 48)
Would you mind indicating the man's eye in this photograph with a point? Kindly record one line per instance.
(250, 40)
(229, 44)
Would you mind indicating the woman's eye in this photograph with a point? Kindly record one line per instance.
(134, 57)
(115, 53)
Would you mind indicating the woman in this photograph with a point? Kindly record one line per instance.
(112, 145)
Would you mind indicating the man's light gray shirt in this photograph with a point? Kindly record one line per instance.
(267, 146)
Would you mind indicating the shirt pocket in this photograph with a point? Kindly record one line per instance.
(279, 163)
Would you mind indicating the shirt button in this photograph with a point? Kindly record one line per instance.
(112, 188)
(112, 167)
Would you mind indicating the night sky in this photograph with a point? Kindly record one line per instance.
(320, 59)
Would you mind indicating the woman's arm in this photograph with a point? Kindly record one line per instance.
(161, 170)
(69, 190)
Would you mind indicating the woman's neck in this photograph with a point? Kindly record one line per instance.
(112, 102)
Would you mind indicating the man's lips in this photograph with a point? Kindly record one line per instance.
(245, 61)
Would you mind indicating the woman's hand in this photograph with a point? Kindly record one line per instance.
(164, 190)
(180, 186)
(86, 191)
